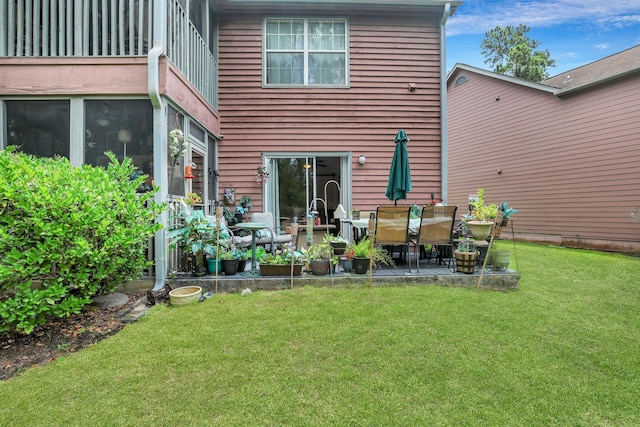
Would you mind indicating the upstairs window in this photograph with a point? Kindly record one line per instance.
(305, 52)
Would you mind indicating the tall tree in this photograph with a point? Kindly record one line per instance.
(511, 52)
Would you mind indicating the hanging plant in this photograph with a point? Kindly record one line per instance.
(262, 175)
(176, 146)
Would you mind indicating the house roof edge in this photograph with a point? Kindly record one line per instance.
(599, 81)
(493, 75)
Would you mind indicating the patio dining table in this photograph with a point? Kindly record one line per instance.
(362, 224)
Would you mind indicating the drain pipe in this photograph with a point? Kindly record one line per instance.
(443, 103)
(160, 155)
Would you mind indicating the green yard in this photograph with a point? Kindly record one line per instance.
(563, 350)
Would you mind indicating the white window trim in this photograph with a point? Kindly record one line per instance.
(347, 65)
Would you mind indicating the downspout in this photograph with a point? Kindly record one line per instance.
(443, 102)
(160, 155)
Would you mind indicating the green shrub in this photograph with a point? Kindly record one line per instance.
(67, 234)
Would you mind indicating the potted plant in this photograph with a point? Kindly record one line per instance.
(466, 255)
(245, 201)
(229, 215)
(346, 258)
(499, 258)
(244, 256)
(320, 257)
(279, 263)
(176, 146)
(338, 243)
(229, 196)
(483, 216)
(364, 254)
(193, 199)
(506, 213)
(230, 259)
(195, 233)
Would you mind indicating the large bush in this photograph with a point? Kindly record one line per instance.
(67, 234)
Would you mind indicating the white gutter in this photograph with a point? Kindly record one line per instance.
(443, 103)
(160, 155)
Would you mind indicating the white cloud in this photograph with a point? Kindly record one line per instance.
(479, 16)
(602, 46)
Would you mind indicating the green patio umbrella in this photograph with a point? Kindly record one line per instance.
(400, 173)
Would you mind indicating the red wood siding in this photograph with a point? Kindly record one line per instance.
(570, 164)
(387, 52)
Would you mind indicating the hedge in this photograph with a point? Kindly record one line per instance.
(67, 234)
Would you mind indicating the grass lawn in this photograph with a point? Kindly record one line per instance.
(563, 350)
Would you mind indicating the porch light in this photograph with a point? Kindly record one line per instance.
(362, 160)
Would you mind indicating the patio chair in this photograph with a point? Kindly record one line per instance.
(392, 228)
(268, 236)
(436, 229)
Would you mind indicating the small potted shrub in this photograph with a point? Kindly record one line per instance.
(243, 255)
(506, 213)
(195, 234)
(346, 258)
(280, 262)
(230, 259)
(364, 254)
(483, 216)
(466, 256)
(338, 243)
(320, 257)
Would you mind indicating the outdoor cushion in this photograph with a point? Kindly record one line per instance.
(266, 236)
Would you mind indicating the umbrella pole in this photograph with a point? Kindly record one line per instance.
(218, 223)
(497, 220)
(370, 229)
(294, 241)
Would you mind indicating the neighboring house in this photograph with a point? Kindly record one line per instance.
(564, 151)
(305, 88)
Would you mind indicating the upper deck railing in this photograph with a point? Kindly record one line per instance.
(105, 28)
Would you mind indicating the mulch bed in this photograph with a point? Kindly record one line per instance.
(59, 337)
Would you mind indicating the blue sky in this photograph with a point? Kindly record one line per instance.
(575, 32)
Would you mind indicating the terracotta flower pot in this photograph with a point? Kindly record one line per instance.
(320, 267)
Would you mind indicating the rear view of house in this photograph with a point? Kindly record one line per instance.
(312, 92)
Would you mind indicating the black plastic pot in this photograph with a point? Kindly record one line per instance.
(360, 265)
(230, 266)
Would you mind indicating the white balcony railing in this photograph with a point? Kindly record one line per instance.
(105, 28)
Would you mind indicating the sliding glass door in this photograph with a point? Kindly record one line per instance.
(302, 184)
